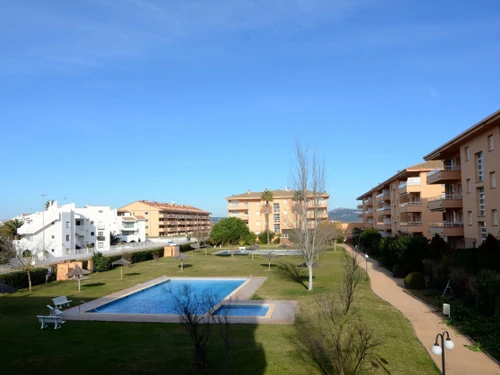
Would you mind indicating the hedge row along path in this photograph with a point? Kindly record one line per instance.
(427, 322)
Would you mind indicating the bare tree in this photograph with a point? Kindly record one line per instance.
(28, 253)
(308, 182)
(196, 313)
(338, 342)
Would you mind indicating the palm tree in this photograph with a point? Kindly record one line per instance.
(267, 196)
(8, 229)
(114, 239)
(48, 203)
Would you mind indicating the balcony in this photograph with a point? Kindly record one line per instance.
(410, 207)
(369, 202)
(447, 228)
(411, 226)
(385, 196)
(442, 175)
(101, 238)
(359, 206)
(445, 201)
(384, 211)
(383, 226)
(412, 185)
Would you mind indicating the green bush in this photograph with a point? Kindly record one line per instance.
(415, 280)
(101, 263)
(19, 279)
(399, 270)
(263, 237)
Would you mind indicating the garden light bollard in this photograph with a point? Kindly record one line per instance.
(440, 349)
(366, 259)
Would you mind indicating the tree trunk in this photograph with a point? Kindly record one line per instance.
(310, 268)
(29, 280)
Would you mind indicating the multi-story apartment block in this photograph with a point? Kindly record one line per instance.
(469, 208)
(399, 204)
(67, 230)
(165, 219)
(251, 209)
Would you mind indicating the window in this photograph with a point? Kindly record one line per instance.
(100, 234)
(257, 223)
(493, 180)
(100, 245)
(99, 212)
(481, 203)
(53, 236)
(276, 228)
(470, 217)
(258, 213)
(67, 224)
(469, 186)
(276, 218)
(482, 231)
(67, 237)
(460, 189)
(147, 227)
(92, 234)
(467, 153)
(276, 207)
(479, 166)
(494, 217)
(491, 143)
(146, 213)
(77, 222)
(91, 223)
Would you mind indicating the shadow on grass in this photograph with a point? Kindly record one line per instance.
(92, 285)
(185, 266)
(292, 273)
(380, 362)
(267, 265)
(131, 274)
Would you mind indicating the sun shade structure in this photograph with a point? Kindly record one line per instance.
(270, 256)
(121, 262)
(78, 273)
(182, 258)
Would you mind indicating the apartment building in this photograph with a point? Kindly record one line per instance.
(67, 229)
(469, 208)
(251, 209)
(399, 204)
(163, 219)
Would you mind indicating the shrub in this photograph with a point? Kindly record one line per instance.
(277, 241)
(156, 254)
(487, 288)
(263, 237)
(415, 280)
(19, 279)
(399, 270)
(101, 263)
(459, 278)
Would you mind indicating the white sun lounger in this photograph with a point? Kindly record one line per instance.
(50, 319)
(54, 312)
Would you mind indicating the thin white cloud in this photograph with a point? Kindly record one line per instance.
(432, 91)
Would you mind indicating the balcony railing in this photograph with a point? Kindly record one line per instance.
(445, 196)
(411, 223)
(447, 224)
(446, 168)
(384, 194)
(410, 204)
(383, 209)
(101, 238)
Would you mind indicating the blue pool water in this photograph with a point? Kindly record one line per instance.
(161, 298)
(242, 310)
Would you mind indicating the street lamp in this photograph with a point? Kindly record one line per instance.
(366, 259)
(437, 349)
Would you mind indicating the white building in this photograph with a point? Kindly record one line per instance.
(67, 230)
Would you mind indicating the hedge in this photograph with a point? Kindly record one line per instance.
(103, 263)
(19, 279)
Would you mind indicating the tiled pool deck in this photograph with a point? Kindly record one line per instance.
(283, 313)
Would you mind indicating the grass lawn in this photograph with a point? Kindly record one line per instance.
(158, 348)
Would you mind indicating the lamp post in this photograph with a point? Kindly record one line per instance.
(440, 349)
(43, 227)
(366, 264)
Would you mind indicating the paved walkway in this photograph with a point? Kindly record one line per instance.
(427, 323)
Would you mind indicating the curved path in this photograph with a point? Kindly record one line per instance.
(427, 322)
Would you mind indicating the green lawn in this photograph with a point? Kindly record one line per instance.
(156, 348)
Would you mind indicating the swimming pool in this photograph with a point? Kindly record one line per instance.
(162, 298)
(243, 310)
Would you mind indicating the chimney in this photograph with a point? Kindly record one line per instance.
(248, 191)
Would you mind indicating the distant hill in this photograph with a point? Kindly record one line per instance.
(345, 215)
(216, 219)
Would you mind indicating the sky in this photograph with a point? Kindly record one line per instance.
(105, 102)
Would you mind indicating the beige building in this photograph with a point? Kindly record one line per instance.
(469, 208)
(251, 209)
(165, 219)
(399, 204)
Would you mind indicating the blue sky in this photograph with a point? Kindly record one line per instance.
(112, 101)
